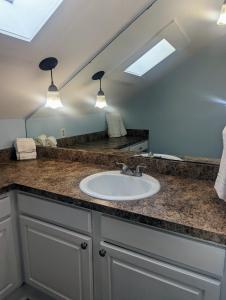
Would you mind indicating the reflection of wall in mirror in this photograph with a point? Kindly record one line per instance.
(79, 124)
(185, 111)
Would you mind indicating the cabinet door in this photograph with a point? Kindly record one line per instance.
(56, 260)
(8, 261)
(127, 275)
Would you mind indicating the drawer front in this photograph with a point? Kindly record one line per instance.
(5, 207)
(139, 147)
(59, 214)
(179, 249)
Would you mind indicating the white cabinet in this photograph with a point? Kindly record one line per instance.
(56, 260)
(131, 262)
(9, 252)
(8, 259)
(129, 275)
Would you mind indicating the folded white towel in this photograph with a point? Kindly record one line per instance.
(115, 124)
(51, 141)
(25, 145)
(220, 184)
(41, 140)
(24, 156)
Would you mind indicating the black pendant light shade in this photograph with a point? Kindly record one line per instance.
(48, 64)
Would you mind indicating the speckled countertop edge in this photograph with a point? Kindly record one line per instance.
(139, 215)
(199, 234)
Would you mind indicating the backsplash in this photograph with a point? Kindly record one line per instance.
(205, 171)
(7, 154)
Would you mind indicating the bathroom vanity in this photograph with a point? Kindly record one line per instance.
(72, 253)
(163, 76)
(72, 246)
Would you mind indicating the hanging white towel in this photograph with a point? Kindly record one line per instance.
(220, 184)
(25, 145)
(115, 124)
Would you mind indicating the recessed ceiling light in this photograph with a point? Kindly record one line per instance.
(151, 58)
(23, 19)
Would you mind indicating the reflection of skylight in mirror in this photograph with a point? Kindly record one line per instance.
(151, 58)
(23, 19)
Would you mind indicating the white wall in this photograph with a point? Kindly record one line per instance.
(10, 129)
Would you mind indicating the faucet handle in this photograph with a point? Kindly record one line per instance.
(124, 166)
(125, 169)
(138, 170)
(120, 164)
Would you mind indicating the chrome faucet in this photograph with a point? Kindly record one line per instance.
(127, 171)
(138, 171)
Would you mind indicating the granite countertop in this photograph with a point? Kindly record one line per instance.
(109, 143)
(184, 205)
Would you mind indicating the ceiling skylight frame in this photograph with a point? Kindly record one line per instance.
(27, 32)
(151, 58)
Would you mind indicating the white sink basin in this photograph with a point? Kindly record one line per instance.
(113, 185)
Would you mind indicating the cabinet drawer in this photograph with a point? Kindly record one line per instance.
(176, 248)
(59, 214)
(5, 207)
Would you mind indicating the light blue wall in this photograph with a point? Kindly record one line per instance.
(10, 129)
(80, 124)
(186, 110)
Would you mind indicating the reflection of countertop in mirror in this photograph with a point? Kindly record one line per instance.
(183, 205)
(101, 141)
(109, 143)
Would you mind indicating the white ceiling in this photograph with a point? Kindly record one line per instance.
(76, 31)
(188, 25)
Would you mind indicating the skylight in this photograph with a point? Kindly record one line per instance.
(151, 58)
(23, 19)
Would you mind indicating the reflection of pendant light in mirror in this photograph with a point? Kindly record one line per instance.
(100, 100)
(222, 17)
(53, 96)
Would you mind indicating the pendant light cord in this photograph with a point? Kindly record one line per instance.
(100, 84)
(51, 76)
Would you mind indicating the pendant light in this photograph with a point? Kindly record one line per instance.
(100, 100)
(53, 96)
(222, 18)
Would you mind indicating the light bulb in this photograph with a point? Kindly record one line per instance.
(53, 100)
(53, 97)
(101, 101)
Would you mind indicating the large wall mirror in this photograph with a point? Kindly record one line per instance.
(165, 80)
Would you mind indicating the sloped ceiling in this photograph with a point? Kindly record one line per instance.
(188, 25)
(76, 31)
